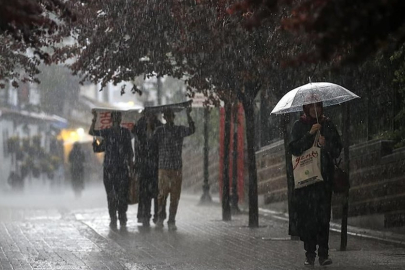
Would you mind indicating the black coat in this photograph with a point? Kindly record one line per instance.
(312, 204)
(146, 157)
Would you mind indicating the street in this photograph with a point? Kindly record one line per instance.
(53, 230)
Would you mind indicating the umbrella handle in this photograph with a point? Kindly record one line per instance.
(318, 134)
(316, 113)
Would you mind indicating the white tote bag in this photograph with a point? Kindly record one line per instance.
(307, 167)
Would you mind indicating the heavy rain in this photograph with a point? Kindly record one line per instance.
(202, 134)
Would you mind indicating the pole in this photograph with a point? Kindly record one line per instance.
(292, 221)
(206, 197)
(159, 90)
(235, 198)
(345, 202)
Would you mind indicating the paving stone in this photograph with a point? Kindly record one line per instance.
(80, 238)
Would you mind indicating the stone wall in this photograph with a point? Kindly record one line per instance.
(377, 179)
(377, 176)
(271, 173)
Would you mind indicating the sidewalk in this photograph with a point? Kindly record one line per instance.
(386, 236)
(65, 237)
(382, 236)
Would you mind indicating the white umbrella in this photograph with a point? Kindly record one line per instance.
(328, 93)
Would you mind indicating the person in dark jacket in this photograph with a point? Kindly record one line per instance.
(313, 202)
(118, 166)
(146, 166)
(76, 160)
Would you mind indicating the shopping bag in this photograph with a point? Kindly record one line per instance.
(98, 146)
(133, 194)
(307, 167)
(341, 182)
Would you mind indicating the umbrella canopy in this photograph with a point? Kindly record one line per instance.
(176, 107)
(328, 93)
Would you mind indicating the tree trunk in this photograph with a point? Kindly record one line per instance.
(250, 137)
(206, 197)
(234, 196)
(226, 208)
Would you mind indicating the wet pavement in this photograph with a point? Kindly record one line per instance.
(58, 231)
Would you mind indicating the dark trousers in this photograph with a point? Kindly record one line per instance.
(321, 239)
(77, 175)
(116, 183)
(148, 191)
(145, 208)
(313, 213)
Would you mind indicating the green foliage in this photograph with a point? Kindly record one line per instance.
(29, 26)
(344, 31)
(34, 158)
(13, 144)
(36, 140)
(398, 58)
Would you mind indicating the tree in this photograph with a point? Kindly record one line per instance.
(120, 40)
(117, 41)
(12, 63)
(29, 20)
(341, 30)
(27, 29)
(235, 64)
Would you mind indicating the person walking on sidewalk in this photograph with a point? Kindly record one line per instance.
(169, 139)
(118, 164)
(76, 160)
(146, 166)
(313, 202)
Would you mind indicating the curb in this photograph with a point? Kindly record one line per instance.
(381, 236)
(387, 237)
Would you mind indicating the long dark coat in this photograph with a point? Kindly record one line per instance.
(312, 204)
(146, 158)
(77, 159)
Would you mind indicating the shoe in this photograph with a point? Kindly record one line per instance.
(113, 224)
(159, 224)
(146, 223)
(123, 223)
(123, 219)
(172, 227)
(309, 262)
(325, 261)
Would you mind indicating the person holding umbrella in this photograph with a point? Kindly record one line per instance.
(118, 166)
(169, 139)
(311, 198)
(146, 165)
(313, 202)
